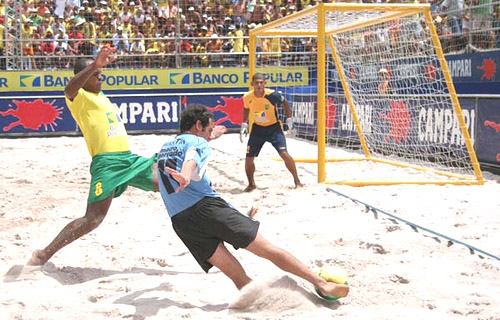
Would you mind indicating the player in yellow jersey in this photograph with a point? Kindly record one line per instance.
(113, 166)
(262, 105)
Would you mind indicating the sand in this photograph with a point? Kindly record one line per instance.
(134, 267)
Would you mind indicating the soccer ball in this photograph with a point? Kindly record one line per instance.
(332, 274)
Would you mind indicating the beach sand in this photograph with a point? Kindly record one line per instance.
(135, 267)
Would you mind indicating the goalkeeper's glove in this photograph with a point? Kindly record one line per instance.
(243, 130)
(289, 123)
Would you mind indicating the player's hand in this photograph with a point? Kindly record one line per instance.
(104, 57)
(180, 178)
(217, 132)
(243, 130)
(289, 123)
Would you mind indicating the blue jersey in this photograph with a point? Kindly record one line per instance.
(173, 154)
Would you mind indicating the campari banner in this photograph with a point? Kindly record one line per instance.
(45, 115)
(428, 127)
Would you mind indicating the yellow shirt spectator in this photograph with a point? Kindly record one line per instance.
(238, 42)
(2, 28)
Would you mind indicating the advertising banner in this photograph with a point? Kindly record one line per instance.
(148, 112)
(406, 121)
(14, 81)
(475, 73)
(35, 115)
(30, 115)
(228, 110)
(488, 142)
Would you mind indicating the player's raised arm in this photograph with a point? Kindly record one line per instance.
(85, 69)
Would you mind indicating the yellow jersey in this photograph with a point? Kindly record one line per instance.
(99, 121)
(263, 110)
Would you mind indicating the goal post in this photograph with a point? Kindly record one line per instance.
(380, 99)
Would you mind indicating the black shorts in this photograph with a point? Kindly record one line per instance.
(261, 135)
(209, 222)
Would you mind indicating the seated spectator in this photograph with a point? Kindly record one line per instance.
(139, 17)
(127, 27)
(47, 16)
(168, 51)
(120, 41)
(27, 36)
(454, 11)
(193, 16)
(137, 50)
(42, 8)
(148, 28)
(152, 53)
(89, 31)
(104, 33)
(214, 46)
(48, 49)
(75, 41)
(239, 11)
(58, 24)
(125, 14)
(199, 48)
(2, 47)
(35, 18)
(60, 48)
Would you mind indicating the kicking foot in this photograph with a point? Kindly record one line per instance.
(250, 187)
(333, 289)
(38, 258)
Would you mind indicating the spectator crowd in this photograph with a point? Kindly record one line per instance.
(152, 33)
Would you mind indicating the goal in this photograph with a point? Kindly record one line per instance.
(379, 103)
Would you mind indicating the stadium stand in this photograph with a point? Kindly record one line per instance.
(50, 34)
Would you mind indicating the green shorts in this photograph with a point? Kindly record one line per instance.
(112, 172)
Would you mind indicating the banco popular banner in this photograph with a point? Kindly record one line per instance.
(14, 81)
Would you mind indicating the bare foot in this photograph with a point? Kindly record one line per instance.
(250, 187)
(252, 212)
(38, 258)
(298, 185)
(334, 289)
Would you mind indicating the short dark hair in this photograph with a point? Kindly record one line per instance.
(81, 64)
(258, 75)
(193, 113)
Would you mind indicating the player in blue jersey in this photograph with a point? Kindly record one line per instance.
(204, 221)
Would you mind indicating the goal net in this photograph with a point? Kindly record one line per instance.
(378, 101)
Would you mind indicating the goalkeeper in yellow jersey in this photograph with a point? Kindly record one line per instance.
(262, 105)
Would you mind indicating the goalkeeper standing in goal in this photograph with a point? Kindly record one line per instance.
(262, 105)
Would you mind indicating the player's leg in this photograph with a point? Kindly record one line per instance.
(230, 266)
(94, 215)
(250, 171)
(290, 165)
(278, 140)
(255, 143)
(287, 262)
(155, 176)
